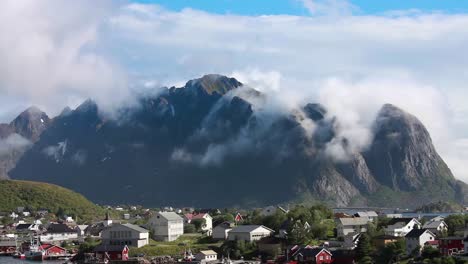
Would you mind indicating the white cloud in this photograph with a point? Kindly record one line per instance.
(13, 142)
(57, 54)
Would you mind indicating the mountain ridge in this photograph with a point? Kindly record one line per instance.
(217, 139)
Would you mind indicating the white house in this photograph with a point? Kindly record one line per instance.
(345, 226)
(125, 234)
(59, 232)
(166, 226)
(249, 233)
(401, 226)
(220, 232)
(27, 228)
(436, 227)
(206, 255)
(417, 238)
(207, 227)
(81, 229)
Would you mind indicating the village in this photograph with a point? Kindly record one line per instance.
(274, 234)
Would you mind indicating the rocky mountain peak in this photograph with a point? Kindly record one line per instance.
(213, 83)
(31, 123)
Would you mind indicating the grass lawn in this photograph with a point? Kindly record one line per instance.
(195, 242)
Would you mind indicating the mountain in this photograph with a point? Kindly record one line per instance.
(35, 195)
(215, 142)
(17, 137)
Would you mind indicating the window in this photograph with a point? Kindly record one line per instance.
(321, 257)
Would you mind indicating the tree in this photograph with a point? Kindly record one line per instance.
(6, 220)
(363, 249)
(430, 252)
(454, 223)
(199, 224)
(392, 252)
(189, 229)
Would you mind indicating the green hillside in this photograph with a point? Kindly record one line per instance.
(36, 195)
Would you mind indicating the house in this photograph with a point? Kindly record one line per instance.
(81, 229)
(401, 226)
(166, 226)
(416, 239)
(59, 232)
(370, 215)
(291, 225)
(311, 255)
(220, 232)
(52, 250)
(249, 233)
(207, 227)
(7, 246)
(125, 234)
(382, 240)
(450, 245)
(107, 252)
(206, 255)
(436, 227)
(238, 218)
(345, 226)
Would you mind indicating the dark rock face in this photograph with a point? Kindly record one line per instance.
(16, 137)
(402, 155)
(209, 135)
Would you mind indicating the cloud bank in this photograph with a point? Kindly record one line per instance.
(58, 55)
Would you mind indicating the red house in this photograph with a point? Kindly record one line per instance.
(450, 245)
(311, 255)
(111, 252)
(52, 250)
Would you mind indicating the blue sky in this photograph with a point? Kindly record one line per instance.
(294, 7)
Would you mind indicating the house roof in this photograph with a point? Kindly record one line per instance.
(60, 228)
(196, 216)
(225, 225)
(353, 221)
(417, 233)
(106, 248)
(434, 224)
(170, 216)
(136, 228)
(248, 228)
(23, 226)
(394, 221)
(367, 214)
(208, 252)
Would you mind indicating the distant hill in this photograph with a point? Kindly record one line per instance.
(36, 195)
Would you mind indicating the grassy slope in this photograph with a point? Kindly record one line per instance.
(36, 195)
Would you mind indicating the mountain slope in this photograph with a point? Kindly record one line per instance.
(215, 142)
(35, 195)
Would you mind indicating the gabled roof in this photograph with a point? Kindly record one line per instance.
(367, 214)
(136, 228)
(208, 252)
(225, 225)
(23, 226)
(434, 224)
(356, 221)
(60, 228)
(405, 221)
(170, 216)
(415, 233)
(248, 228)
